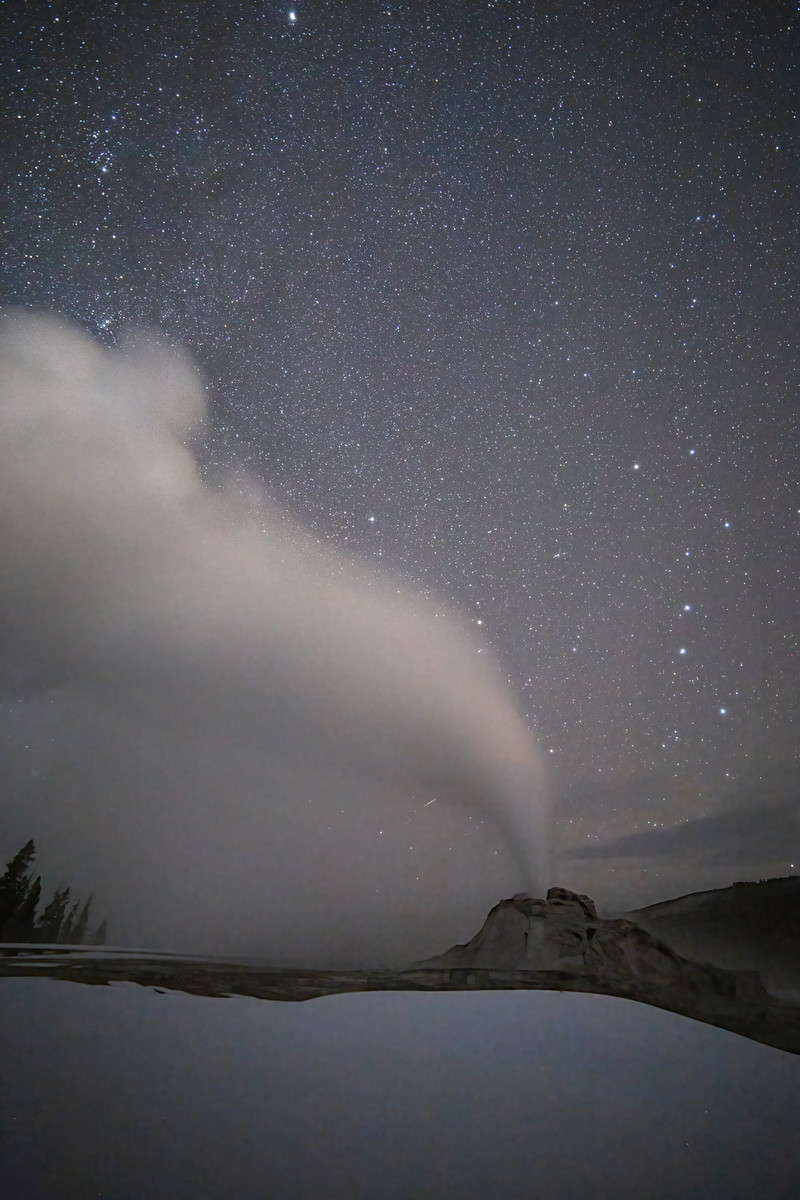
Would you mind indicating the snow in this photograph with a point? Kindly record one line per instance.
(382, 1096)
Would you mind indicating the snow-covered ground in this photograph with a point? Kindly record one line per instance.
(119, 1093)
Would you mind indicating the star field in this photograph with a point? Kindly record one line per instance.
(496, 295)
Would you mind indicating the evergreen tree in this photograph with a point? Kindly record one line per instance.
(67, 931)
(15, 882)
(101, 934)
(52, 919)
(20, 895)
(79, 932)
(20, 926)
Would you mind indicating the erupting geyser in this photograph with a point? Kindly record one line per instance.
(232, 708)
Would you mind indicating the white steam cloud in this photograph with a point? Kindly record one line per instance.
(221, 727)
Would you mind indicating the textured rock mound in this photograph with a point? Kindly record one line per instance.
(524, 933)
(563, 933)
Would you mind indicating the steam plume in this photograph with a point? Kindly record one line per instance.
(232, 731)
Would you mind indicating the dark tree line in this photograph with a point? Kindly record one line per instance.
(63, 919)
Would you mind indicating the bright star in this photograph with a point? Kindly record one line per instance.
(292, 15)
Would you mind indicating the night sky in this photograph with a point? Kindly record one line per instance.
(497, 296)
(494, 299)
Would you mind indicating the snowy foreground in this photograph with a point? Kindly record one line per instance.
(117, 1093)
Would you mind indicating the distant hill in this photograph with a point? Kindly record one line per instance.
(748, 926)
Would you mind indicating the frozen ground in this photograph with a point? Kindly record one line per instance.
(117, 1093)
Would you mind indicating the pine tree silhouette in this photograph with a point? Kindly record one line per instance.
(67, 931)
(51, 921)
(20, 894)
(14, 884)
(79, 932)
(21, 925)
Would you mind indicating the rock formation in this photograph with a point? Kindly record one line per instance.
(524, 933)
(564, 934)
